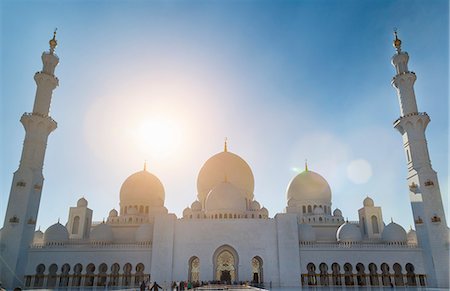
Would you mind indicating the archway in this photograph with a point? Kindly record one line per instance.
(257, 270)
(225, 264)
(194, 269)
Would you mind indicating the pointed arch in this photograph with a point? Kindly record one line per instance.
(257, 270)
(226, 262)
(194, 269)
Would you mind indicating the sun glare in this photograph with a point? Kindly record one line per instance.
(158, 137)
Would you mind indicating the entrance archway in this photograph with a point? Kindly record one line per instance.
(226, 264)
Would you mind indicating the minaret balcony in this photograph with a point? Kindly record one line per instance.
(414, 118)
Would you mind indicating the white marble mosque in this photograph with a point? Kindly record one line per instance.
(226, 235)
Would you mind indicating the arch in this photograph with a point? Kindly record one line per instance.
(126, 280)
(194, 269)
(336, 274)
(360, 275)
(375, 227)
(226, 262)
(385, 276)
(304, 209)
(39, 277)
(348, 274)
(398, 276)
(311, 268)
(139, 276)
(373, 275)
(115, 269)
(51, 280)
(64, 280)
(75, 224)
(309, 209)
(410, 275)
(90, 269)
(102, 269)
(323, 268)
(76, 280)
(257, 270)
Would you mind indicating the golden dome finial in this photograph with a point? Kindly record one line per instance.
(397, 42)
(225, 146)
(306, 165)
(53, 42)
(145, 165)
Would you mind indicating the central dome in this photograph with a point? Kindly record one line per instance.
(225, 197)
(142, 188)
(309, 186)
(225, 165)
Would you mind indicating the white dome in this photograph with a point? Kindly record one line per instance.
(186, 212)
(225, 197)
(309, 186)
(337, 212)
(368, 202)
(306, 233)
(318, 210)
(348, 232)
(255, 205)
(102, 233)
(113, 213)
(411, 236)
(264, 211)
(56, 233)
(144, 233)
(196, 206)
(393, 233)
(142, 188)
(38, 236)
(229, 165)
(82, 202)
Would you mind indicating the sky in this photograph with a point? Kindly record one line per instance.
(167, 81)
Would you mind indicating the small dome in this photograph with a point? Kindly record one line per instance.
(113, 213)
(337, 212)
(56, 233)
(38, 236)
(196, 206)
(225, 164)
(102, 233)
(306, 233)
(255, 205)
(309, 186)
(186, 212)
(368, 202)
(411, 236)
(142, 188)
(264, 211)
(144, 233)
(82, 202)
(348, 232)
(318, 210)
(225, 197)
(393, 232)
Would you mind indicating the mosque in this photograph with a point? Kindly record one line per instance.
(225, 235)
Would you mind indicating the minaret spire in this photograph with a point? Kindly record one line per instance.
(424, 192)
(25, 194)
(225, 145)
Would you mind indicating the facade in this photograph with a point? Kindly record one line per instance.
(226, 235)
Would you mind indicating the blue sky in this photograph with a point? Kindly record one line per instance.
(283, 80)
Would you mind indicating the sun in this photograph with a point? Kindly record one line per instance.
(158, 137)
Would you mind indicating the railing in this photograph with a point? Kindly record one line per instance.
(355, 280)
(85, 280)
(88, 244)
(357, 245)
(410, 114)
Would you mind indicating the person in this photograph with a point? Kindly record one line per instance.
(155, 287)
(142, 287)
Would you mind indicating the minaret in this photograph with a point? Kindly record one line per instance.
(424, 192)
(25, 195)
